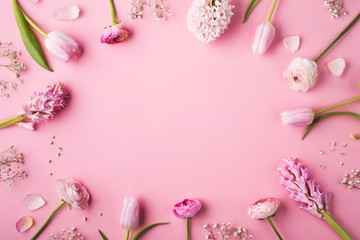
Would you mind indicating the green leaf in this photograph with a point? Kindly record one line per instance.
(322, 117)
(144, 230)
(102, 235)
(28, 37)
(250, 8)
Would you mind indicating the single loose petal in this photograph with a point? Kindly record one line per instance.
(67, 13)
(33, 1)
(337, 66)
(292, 43)
(33, 202)
(24, 224)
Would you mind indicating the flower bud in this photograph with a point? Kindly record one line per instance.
(114, 34)
(264, 208)
(129, 218)
(298, 117)
(63, 46)
(264, 35)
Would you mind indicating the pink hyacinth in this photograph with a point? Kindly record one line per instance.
(44, 105)
(296, 179)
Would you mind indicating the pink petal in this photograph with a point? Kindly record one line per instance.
(24, 224)
(292, 43)
(67, 13)
(337, 66)
(33, 202)
(354, 136)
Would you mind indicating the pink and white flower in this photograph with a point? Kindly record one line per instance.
(298, 117)
(62, 46)
(263, 208)
(187, 208)
(73, 192)
(114, 34)
(129, 218)
(263, 38)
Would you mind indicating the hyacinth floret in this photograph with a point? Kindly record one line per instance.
(296, 179)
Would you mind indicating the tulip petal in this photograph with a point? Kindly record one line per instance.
(33, 1)
(292, 43)
(33, 202)
(337, 66)
(67, 13)
(24, 224)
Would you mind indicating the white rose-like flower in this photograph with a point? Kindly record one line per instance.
(301, 74)
(208, 19)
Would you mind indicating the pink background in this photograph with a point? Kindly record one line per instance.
(164, 117)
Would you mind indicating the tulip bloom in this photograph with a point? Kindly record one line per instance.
(129, 218)
(62, 46)
(298, 117)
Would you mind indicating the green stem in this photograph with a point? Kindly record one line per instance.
(47, 221)
(127, 234)
(36, 27)
(113, 13)
(272, 10)
(274, 228)
(335, 226)
(338, 105)
(187, 228)
(338, 37)
(12, 121)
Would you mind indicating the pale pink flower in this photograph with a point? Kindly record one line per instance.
(114, 34)
(73, 192)
(44, 105)
(264, 208)
(264, 36)
(301, 74)
(209, 19)
(62, 46)
(187, 208)
(129, 218)
(295, 177)
(298, 117)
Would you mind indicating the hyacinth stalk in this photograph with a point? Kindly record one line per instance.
(42, 106)
(295, 177)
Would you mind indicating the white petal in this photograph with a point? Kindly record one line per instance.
(33, 1)
(33, 202)
(337, 66)
(67, 13)
(24, 224)
(292, 43)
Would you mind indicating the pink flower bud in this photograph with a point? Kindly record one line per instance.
(114, 34)
(187, 208)
(72, 192)
(129, 218)
(63, 46)
(298, 117)
(264, 208)
(264, 35)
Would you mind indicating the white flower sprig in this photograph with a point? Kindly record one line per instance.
(160, 9)
(336, 7)
(10, 162)
(225, 231)
(70, 234)
(352, 179)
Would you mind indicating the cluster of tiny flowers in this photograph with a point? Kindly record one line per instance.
(67, 235)
(10, 163)
(352, 179)
(336, 7)
(160, 9)
(225, 231)
(208, 19)
(13, 64)
(43, 105)
(295, 177)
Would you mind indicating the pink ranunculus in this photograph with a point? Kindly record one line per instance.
(301, 74)
(114, 34)
(298, 117)
(264, 208)
(73, 192)
(187, 208)
(62, 46)
(129, 218)
(264, 36)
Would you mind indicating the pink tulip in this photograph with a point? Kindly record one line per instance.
(187, 208)
(129, 218)
(264, 35)
(263, 208)
(298, 117)
(63, 46)
(114, 34)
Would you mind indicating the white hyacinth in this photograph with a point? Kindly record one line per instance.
(208, 19)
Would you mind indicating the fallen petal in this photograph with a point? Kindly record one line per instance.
(353, 137)
(67, 13)
(292, 43)
(33, 1)
(337, 66)
(24, 224)
(33, 202)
